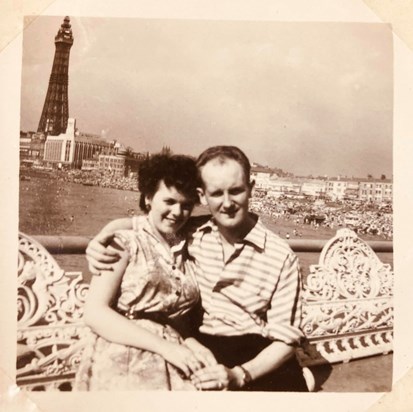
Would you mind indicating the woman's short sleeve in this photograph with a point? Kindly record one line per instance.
(126, 239)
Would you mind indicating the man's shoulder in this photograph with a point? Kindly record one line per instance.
(274, 241)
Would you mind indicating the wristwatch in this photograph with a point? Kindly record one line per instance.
(246, 377)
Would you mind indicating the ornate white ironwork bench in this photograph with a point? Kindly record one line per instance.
(347, 311)
(347, 305)
(49, 319)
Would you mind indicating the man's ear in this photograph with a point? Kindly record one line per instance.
(252, 184)
(201, 195)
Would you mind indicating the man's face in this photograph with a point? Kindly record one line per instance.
(226, 191)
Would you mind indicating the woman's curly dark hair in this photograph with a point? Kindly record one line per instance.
(178, 171)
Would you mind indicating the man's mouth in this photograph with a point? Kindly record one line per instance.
(230, 213)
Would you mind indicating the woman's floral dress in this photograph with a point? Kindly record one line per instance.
(157, 283)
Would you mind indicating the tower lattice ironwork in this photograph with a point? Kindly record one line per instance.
(56, 106)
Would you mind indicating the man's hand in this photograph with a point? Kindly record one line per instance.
(99, 254)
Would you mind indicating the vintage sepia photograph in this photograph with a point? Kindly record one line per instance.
(205, 205)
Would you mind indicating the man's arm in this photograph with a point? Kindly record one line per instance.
(99, 254)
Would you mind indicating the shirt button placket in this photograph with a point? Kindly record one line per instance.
(178, 279)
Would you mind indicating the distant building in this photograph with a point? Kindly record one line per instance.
(89, 147)
(261, 176)
(71, 148)
(313, 187)
(341, 188)
(283, 187)
(376, 190)
(90, 165)
(31, 147)
(112, 163)
(25, 146)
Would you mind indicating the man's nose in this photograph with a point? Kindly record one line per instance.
(227, 201)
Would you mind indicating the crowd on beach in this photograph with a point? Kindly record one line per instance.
(102, 179)
(365, 218)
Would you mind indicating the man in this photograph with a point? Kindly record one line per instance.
(249, 282)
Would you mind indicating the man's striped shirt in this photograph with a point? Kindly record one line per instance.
(257, 290)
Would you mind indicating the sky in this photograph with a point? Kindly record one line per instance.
(309, 98)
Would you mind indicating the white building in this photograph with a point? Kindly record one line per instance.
(376, 190)
(313, 187)
(282, 187)
(60, 149)
(72, 148)
(262, 177)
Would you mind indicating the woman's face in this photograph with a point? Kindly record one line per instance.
(169, 209)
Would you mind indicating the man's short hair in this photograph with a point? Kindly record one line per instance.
(223, 153)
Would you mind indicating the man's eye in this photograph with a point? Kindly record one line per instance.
(237, 191)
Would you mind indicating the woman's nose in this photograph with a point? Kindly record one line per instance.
(177, 210)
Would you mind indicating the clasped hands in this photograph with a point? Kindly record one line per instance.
(210, 375)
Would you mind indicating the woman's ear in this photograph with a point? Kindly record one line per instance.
(148, 202)
(201, 195)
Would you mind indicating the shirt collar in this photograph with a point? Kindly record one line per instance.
(256, 236)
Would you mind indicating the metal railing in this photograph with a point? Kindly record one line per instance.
(66, 245)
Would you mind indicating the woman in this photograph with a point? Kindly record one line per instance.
(137, 311)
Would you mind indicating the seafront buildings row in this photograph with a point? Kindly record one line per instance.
(334, 188)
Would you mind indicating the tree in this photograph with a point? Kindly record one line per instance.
(129, 151)
(166, 150)
(383, 177)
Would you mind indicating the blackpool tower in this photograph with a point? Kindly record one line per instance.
(56, 105)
